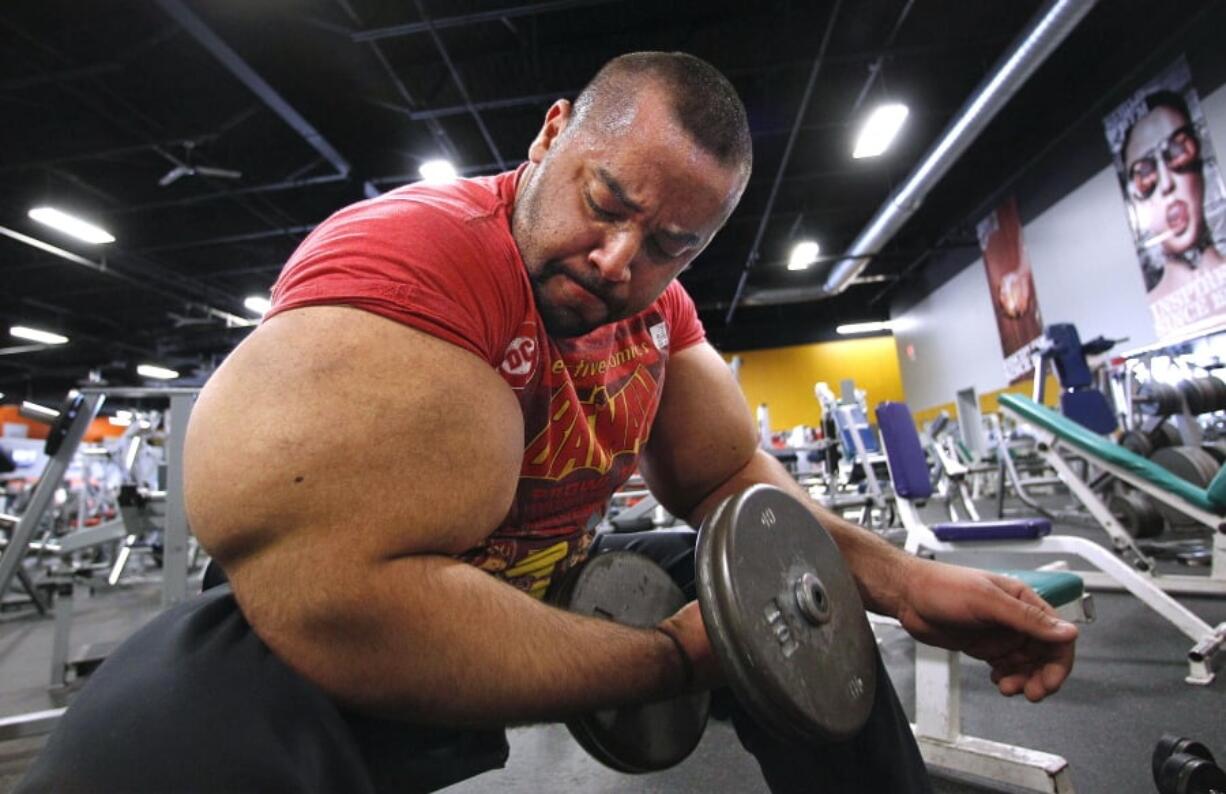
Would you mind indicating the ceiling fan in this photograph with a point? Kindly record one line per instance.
(188, 167)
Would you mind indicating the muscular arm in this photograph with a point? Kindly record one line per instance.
(333, 465)
(704, 447)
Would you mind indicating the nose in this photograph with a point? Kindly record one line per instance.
(615, 254)
(1166, 180)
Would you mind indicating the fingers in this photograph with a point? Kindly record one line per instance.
(1021, 609)
(1036, 671)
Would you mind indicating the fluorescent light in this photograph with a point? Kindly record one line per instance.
(258, 304)
(35, 335)
(120, 421)
(71, 225)
(864, 328)
(803, 255)
(152, 371)
(437, 171)
(879, 130)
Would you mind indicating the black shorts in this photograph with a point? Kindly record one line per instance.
(196, 702)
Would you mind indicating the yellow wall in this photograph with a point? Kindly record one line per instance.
(784, 377)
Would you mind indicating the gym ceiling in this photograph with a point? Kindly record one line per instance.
(276, 113)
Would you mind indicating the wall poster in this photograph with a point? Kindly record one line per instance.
(1011, 285)
(1176, 203)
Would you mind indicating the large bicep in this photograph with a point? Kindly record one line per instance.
(334, 429)
(703, 433)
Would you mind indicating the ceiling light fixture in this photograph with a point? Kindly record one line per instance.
(35, 335)
(71, 225)
(153, 371)
(435, 171)
(804, 254)
(258, 304)
(864, 328)
(879, 130)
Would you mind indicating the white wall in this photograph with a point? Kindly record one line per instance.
(1085, 272)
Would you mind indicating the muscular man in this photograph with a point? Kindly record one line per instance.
(451, 383)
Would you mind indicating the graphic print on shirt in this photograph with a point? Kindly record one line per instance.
(586, 419)
(521, 357)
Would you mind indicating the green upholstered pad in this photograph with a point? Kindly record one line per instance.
(1217, 489)
(1101, 447)
(1055, 587)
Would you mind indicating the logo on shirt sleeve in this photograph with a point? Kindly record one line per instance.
(520, 360)
(659, 335)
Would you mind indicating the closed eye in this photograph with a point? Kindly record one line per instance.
(599, 211)
(660, 252)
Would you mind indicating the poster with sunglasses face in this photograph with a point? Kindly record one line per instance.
(1175, 201)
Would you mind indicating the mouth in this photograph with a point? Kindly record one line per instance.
(577, 291)
(1177, 217)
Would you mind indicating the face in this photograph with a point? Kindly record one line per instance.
(1165, 181)
(611, 210)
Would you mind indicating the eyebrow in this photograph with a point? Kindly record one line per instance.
(619, 192)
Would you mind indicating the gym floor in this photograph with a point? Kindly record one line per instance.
(1126, 691)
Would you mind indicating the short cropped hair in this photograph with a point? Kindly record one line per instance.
(704, 102)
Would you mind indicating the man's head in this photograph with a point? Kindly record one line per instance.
(1162, 160)
(627, 186)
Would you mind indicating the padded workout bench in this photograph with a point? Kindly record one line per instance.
(938, 688)
(1058, 435)
(909, 471)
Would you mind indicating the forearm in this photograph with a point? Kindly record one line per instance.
(428, 639)
(877, 566)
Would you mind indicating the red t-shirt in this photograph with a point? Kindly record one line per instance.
(441, 259)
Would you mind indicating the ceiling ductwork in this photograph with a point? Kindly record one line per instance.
(1040, 38)
(1044, 33)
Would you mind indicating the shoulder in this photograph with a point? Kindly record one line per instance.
(438, 257)
(418, 213)
(679, 313)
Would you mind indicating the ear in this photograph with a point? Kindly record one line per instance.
(556, 119)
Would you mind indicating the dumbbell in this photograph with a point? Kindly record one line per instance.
(1183, 766)
(784, 618)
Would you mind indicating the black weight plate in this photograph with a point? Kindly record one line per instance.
(1191, 395)
(1208, 395)
(1184, 773)
(631, 589)
(1169, 745)
(1163, 750)
(1165, 435)
(785, 617)
(1138, 442)
(1158, 399)
(1217, 449)
(1219, 388)
(1137, 514)
(1190, 463)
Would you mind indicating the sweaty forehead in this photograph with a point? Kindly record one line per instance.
(647, 152)
(1152, 129)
